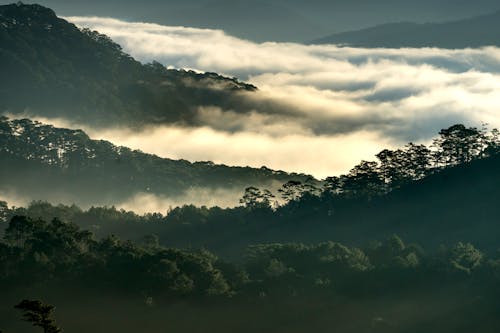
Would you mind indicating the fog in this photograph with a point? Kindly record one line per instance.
(315, 103)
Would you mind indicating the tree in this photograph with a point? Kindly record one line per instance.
(465, 257)
(39, 315)
(493, 143)
(417, 160)
(458, 144)
(4, 211)
(400, 166)
(255, 198)
(291, 190)
(363, 180)
(20, 229)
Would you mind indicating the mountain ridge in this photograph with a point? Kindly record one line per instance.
(38, 156)
(58, 70)
(477, 31)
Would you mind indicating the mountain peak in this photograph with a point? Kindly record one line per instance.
(28, 15)
(27, 12)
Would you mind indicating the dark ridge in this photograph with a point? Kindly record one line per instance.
(58, 70)
(37, 157)
(473, 32)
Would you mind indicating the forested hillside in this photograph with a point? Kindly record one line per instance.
(387, 286)
(430, 195)
(58, 70)
(44, 162)
(405, 243)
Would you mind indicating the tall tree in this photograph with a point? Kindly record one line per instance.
(255, 197)
(458, 144)
(363, 180)
(39, 315)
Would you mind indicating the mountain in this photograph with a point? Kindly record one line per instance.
(61, 165)
(473, 32)
(283, 20)
(58, 70)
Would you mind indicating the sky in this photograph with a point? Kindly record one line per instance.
(276, 20)
(319, 109)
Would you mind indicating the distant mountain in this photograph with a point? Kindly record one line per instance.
(474, 32)
(276, 20)
(58, 70)
(56, 164)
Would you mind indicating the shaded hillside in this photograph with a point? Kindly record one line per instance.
(44, 162)
(57, 70)
(444, 207)
(474, 32)
(427, 196)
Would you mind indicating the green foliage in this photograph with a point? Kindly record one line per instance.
(464, 257)
(42, 252)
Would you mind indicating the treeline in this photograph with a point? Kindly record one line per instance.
(409, 191)
(456, 145)
(37, 156)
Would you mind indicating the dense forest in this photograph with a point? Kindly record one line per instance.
(388, 286)
(405, 243)
(400, 244)
(422, 193)
(86, 171)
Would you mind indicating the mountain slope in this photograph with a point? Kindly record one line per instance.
(43, 162)
(57, 70)
(456, 204)
(474, 32)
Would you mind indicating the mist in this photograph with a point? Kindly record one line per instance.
(142, 203)
(340, 104)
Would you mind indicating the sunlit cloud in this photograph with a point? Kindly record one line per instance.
(319, 108)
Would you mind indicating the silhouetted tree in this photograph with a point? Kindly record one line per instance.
(4, 211)
(458, 144)
(39, 315)
(254, 197)
(363, 180)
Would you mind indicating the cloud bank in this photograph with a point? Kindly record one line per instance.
(320, 108)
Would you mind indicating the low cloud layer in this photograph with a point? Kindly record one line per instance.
(319, 109)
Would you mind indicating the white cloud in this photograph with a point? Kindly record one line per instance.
(320, 108)
(321, 155)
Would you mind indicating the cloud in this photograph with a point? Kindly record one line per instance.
(142, 203)
(317, 154)
(319, 108)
